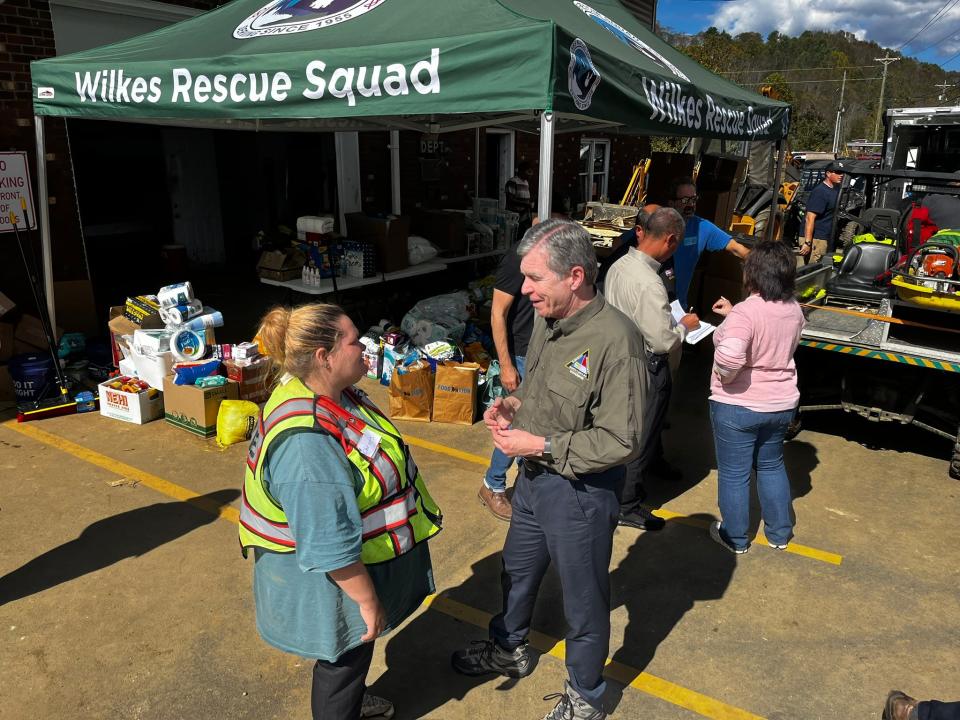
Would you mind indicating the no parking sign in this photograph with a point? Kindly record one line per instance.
(14, 189)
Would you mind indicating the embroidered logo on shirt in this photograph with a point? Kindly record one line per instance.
(580, 365)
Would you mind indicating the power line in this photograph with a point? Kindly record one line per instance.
(953, 33)
(950, 60)
(947, 7)
(807, 82)
(831, 67)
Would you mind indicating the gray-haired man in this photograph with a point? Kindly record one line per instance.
(575, 420)
(634, 287)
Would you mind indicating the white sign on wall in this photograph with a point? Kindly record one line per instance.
(15, 189)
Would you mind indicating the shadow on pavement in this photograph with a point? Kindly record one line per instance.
(419, 679)
(659, 580)
(101, 544)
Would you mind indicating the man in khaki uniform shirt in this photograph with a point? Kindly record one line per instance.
(634, 287)
(576, 419)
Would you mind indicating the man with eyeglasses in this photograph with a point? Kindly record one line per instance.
(699, 235)
(818, 224)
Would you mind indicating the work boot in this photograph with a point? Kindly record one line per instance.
(899, 707)
(572, 706)
(642, 519)
(487, 657)
(662, 470)
(496, 503)
(376, 707)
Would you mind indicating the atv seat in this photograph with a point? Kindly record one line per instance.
(856, 279)
(881, 221)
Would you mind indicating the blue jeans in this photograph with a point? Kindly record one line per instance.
(496, 476)
(746, 439)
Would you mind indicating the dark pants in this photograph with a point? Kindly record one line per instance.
(656, 404)
(936, 710)
(571, 524)
(338, 687)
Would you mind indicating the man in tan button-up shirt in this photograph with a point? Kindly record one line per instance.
(634, 287)
(576, 419)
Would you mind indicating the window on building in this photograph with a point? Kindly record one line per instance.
(594, 170)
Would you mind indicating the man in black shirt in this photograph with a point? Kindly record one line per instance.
(818, 223)
(511, 320)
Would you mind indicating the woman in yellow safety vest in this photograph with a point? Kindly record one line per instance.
(335, 510)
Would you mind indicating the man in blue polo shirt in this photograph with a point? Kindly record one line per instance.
(699, 235)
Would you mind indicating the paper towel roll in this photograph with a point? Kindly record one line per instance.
(315, 224)
(176, 294)
(179, 314)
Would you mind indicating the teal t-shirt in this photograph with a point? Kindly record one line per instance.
(299, 608)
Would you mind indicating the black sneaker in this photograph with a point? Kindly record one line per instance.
(487, 657)
(641, 519)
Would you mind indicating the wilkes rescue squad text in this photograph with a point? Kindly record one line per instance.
(115, 86)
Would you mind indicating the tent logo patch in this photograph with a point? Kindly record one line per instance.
(282, 17)
(580, 366)
(628, 38)
(582, 75)
(45, 93)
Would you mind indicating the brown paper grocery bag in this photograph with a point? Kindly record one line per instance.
(411, 392)
(455, 393)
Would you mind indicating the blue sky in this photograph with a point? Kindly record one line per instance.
(891, 23)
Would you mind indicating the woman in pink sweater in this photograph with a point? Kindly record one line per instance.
(753, 397)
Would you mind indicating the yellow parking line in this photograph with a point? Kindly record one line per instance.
(795, 548)
(120, 468)
(443, 449)
(624, 674)
(759, 538)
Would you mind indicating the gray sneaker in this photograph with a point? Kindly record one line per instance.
(572, 706)
(487, 657)
(376, 707)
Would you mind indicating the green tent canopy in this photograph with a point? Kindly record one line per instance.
(427, 65)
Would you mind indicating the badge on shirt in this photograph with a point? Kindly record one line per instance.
(368, 443)
(580, 365)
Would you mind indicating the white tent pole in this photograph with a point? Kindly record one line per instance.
(395, 171)
(44, 207)
(546, 165)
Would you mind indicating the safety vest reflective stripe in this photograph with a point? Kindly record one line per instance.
(390, 516)
(403, 539)
(287, 409)
(253, 521)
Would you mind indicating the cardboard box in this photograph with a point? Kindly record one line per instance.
(388, 236)
(446, 230)
(253, 380)
(6, 304)
(136, 408)
(120, 325)
(29, 335)
(193, 408)
(281, 265)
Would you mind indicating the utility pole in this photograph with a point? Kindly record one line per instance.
(886, 60)
(836, 128)
(944, 86)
